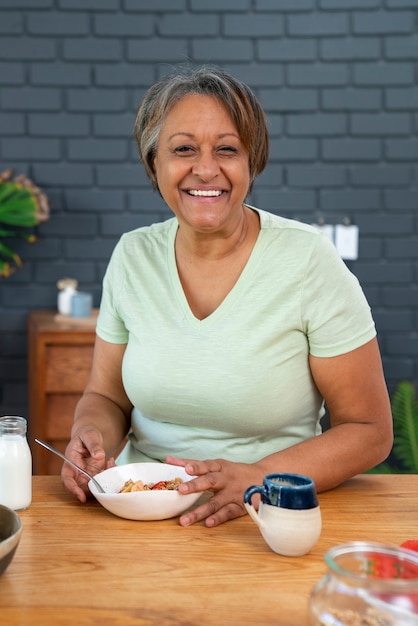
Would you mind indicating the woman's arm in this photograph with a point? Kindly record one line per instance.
(102, 418)
(360, 437)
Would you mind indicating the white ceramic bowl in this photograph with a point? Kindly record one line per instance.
(10, 533)
(142, 505)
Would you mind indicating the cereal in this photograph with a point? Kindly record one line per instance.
(138, 485)
(347, 617)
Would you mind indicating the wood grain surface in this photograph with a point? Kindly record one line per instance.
(79, 565)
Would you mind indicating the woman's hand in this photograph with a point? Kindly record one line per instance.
(86, 450)
(226, 480)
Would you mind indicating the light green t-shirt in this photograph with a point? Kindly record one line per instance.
(237, 384)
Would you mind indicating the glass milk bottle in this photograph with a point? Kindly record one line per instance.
(15, 463)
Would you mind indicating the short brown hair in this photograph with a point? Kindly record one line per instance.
(242, 105)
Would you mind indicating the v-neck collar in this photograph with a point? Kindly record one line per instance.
(230, 299)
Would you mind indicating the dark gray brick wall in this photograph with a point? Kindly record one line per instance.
(337, 78)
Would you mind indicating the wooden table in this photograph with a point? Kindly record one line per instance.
(79, 565)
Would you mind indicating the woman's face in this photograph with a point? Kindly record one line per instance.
(202, 168)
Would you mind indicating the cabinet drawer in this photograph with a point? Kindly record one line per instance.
(67, 368)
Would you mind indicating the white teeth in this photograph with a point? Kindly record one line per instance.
(200, 192)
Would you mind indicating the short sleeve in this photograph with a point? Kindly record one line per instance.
(336, 315)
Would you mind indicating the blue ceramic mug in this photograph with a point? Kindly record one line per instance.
(288, 516)
(285, 490)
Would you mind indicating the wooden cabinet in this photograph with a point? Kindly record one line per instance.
(60, 358)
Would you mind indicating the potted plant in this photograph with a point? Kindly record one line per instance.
(404, 456)
(23, 205)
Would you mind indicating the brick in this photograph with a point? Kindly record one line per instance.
(60, 74)
(287, 150)
(157, 5)
(383, 22)
(247, 25)
(216, 50)
(317, 125)
(64, 174)
(384, 73)
(97, 149)
(316, 176)
(237, 6)
(27, 4)
(401, 344)
(96, 200)
(124, 75)
(383, 224)
(401, 4)
(123, 25)
(318, 74)
(65, 224)
(58, 124)
(121, 175)
(114, 125)
(96, 100)
(272, 175)
(319, 24)
(257, 74)
(400, 199)
(287, 201)
(393, 320)
(342, 5)
(11, 124)
(286, 50)
(31, 99)
(172, 25)
(89, 5)
(92, 49)
(275, 124)
(370, 248)
(405, 47)
(26, 148)
(349, 200)
(282, 5)
(402, 248)
(11, 23)
(115, 225)
(383, 124)
(90, 249)
(58, 24)
(151, 50)
(402, 99)
(12, 73)
(401, 149)
(349, 48)
(384, 175)
(285, 99)
(351, 99)
(383, 273)
(399, 296)
(147, 201)
(335, 149)
(26, 48)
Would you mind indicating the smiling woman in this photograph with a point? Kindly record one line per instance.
(224, 330)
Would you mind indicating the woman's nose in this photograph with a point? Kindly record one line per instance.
(206, 166)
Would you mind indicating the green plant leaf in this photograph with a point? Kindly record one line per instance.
(405, 419)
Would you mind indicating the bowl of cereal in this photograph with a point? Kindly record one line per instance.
(10, 533)
(143, 491)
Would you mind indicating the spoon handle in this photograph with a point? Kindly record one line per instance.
(67, 460)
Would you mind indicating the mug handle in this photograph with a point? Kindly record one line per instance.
(248, 494)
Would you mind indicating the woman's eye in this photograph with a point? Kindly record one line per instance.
(228, 149)
(183, 149)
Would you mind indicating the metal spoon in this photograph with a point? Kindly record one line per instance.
(67, 460)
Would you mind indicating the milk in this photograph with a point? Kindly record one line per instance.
(15, 464)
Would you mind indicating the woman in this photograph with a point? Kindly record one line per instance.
(223, 330)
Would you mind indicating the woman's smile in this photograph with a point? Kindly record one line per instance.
(202, 166)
